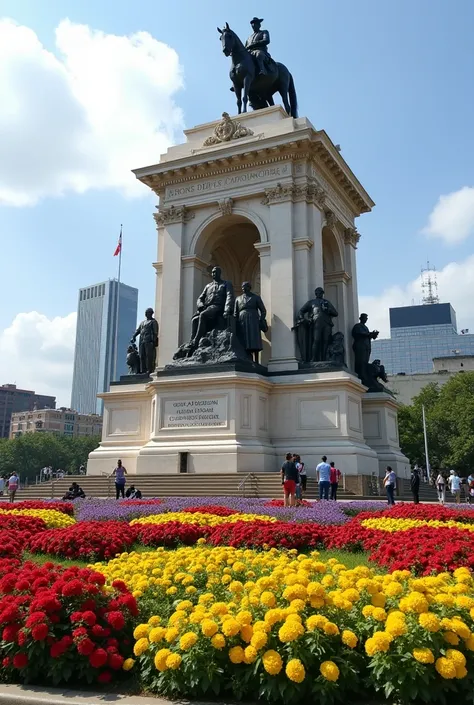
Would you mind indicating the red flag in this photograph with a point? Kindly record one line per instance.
(119, 245)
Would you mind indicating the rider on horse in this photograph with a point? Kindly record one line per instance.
(257, 45)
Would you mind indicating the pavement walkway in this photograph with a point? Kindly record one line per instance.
(32, 695)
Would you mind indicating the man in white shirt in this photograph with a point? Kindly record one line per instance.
(323, 475)
(455, 486)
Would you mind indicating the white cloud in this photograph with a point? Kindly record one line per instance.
(37, 353)
(84, 117)
(455, 286)
(452, 218)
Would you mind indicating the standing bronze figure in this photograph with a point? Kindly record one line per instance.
(214, 306)
(250, 315)
(362, 347)
(254, 74)
(148, 332)
(314, 326)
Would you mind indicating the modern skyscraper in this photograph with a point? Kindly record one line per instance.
(13, 399)
(94, 355)
(417, 335)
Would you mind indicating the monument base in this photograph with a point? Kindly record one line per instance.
(235, 421)
(380, 415)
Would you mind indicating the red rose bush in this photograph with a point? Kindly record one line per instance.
(59, 625)
(87, 540)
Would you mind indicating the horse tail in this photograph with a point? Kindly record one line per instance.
(292, 97)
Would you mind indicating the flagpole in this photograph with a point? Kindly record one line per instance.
(428, 469)
(117, 308)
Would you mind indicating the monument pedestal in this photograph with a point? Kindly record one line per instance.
(380, 418)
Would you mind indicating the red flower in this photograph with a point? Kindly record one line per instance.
(10, 632)
(6, 662)
(20, 660)
(79, 632)
(85, 647)
(98, 658)
(120, 585)
(116, 620)
(22, 638)
(40, 632)
(105, 677)
(99, 632)
(72, 588)
(89, 618)
(36, 618)
(115, 661)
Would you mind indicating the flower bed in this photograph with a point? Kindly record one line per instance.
(51, 517)
(216, 509)
(288, 627)
(170, 534)
(64, 507)
(199, 518)
(262, 534)
(88, 540)
(59, 625)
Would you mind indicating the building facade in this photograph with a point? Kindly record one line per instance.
(61, 422)
(94, 356)
(418, 334)
(13, 399)
(405, 387)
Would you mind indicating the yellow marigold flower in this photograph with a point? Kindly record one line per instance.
(396, 627)
(376, 645)
(368, 610)
(316, 621)
(379, 614)
(429, 621)
(173, 661)
(219, 608)
(226, 579)
(470, 643)
(273, 616)
(331, 629)
(268, 599)
(185, 605)
(353, 595)
(244, 618)
(464, 602)
(230, 627)
(318, 602)
(141, 631)
(315, 590)
(141, 646)
(187, 641)
(156, 635)
(329, 670)
(349, 638)
(172, 590)
(154, 621)
(160, 659)
(451, 638)
(295, 592)
(250, 654)
(128, 664)
(259, 640)
(290, 631)
(445, 667)
(218, 641)
(378, 600)
(171, 634)
(417, 602)
(423, 655)
(456, 656)
(209, 627)
(461, 672)
(393, 589)
(236, 654)
(295, 670)
(460, 628)
(246, 633)
(261, 626)
(272, 662)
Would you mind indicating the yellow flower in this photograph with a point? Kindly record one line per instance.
(349, 639)
(417, 602)
(218, 641)
(464, 602)
(461, 672)
(445, 668)
(290, 631)
(316, 621)
(160, 659)
(378, 600)
(173, 661)
(451, 638)
(368, 610)
(295, 670)
(470, 643)
(187, 641)
(331, 629)
(457, 657)
(250, 654)
(171, 634)
(259, 640)
(246, 633)
(141, 631)
(156, 635)
(375, 645)
(209, 627)
(141, 646)
(230, 627)
(329, 670)
(236, 654)
(379, 614)
(460, 628)
(272, 662)
(128, 664)
(429, 621)
(393, 589)
(268, 599)
(423, 655)
(154, 621)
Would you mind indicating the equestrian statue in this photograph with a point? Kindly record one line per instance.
(254, 74)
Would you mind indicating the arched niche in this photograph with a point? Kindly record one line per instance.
(333, 274)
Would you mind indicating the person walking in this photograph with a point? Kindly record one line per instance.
(302, 475)
(120, 480)
(390, 482)
(455, 486)
(323, 474)
(415, 485)
(441, 488)
(13, 483)
(470, 489)
(334, 477)
(289, 480)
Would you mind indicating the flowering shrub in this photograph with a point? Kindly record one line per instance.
(141, 502)
(198, 518)
(170, 534)
(51, 517)
(59, 625)
(64, 507)
(427, 512)
(392, 525)
(88, 540)
(280, 503)
(291, 627)
(216, 509)
(261, 534)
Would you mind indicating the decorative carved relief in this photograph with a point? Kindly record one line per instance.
(226, 131)
(351, 236)
(278, 193)
(331, 218)
(225, 206)
(310, 192)
(173, 214)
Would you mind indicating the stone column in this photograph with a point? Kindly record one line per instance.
(279, 200)
(170, 223)
(193, 268)
(302, 252)
(351, 238)
(264, 252)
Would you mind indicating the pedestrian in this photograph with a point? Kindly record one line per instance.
(120, 480)
(415, 485)
(13, 483)
(289, 480)
(2, 486)
(300, 466)
(82, 470)
(390, 482)
(441, 488)
(323, 474)
(334, 477)
(470, 488)
(455, 486)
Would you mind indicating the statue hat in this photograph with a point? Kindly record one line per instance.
(256, 19)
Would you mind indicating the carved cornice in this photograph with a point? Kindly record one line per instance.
(225, 206)
(158, 266)
(336, 277)
(227, 130)
(278, 194)
(351, 237)
(330, 218)
(302, 243)
(263, 248)
(195, 261)
(310, 192)
(173, 214)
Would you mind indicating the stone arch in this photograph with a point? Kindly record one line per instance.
(209, 224)
(333, 260)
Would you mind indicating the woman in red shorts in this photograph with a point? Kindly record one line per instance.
(289, 480)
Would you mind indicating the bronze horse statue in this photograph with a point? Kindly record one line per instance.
(257, 89)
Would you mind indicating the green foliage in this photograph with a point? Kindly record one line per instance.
(449, 422)
(33, 451)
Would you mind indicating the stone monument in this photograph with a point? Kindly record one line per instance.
(266, 199)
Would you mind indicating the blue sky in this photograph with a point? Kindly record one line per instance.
(391, 82)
